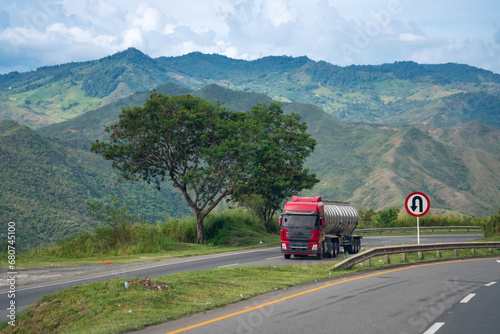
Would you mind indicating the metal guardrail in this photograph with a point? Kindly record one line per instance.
(422, 228)
(403, 249)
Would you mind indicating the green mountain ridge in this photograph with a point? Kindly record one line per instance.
(398, 93)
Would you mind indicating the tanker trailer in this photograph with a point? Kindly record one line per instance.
(312, 227)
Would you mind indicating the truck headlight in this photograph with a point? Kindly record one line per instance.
(314, 247)
(283, 245)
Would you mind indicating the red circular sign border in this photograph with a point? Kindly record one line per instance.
(420, 214)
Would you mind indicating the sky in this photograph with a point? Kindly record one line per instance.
(36, 33)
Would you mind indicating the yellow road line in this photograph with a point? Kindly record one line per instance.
(344, 280)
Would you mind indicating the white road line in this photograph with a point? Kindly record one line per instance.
(434, 328)
(468, 298)
(490, 284)
(276, 257)
(498, 261)
(228, 265)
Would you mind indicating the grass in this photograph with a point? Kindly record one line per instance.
(109, 307)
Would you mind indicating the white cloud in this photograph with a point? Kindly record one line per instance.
(338, 31)
(146, 17)
(409, 37)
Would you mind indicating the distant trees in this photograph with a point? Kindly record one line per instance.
(210, 153)
(492, 225)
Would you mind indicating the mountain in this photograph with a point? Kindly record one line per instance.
(369, 165)
(398, 93)
(45, 184)
(382, 131)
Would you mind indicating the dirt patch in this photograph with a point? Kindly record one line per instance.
(150, 285)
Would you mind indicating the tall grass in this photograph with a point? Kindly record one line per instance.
(228, 228)
(371, 219)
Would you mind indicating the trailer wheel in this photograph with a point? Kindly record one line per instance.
(287, 256)
(357, 243)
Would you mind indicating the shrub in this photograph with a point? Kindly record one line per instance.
(492, 225)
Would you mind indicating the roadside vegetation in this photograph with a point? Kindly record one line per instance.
(394, 217)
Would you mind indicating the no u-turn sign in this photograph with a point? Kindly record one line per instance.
(417, 204)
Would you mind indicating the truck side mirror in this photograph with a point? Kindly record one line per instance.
(281, 220)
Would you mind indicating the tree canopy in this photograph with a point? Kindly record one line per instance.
(280, 146)
(208, 152)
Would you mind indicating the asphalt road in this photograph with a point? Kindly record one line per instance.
(426, 298)
(26, 295)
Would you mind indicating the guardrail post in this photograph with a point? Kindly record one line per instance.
(368, 263)
(438, 254)
(455, 252)
(420, 255)
(386, 258)
(472, 250)
(490, 250)
(403, 257)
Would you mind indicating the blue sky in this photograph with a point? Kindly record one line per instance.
(36, 33)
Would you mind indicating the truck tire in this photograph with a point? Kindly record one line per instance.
(287, 256)
(319, 256)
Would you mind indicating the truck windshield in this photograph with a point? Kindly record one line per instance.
(300, 221)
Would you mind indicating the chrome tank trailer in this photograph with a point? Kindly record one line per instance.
(340, 218)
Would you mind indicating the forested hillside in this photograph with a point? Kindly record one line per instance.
(382, 132)
(398, 93)
(45, 185)
(370, 165)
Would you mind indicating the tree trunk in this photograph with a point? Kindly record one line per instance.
(199, 229)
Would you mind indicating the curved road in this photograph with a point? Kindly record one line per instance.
(28, 294)
(444, 297)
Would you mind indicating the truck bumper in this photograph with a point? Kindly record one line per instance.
(301, 252)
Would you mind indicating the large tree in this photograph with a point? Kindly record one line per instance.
(194, 143)
(210, 153)
(280, 145)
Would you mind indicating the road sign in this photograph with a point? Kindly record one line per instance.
(417, 204)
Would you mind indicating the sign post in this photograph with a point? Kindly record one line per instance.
(417, 204)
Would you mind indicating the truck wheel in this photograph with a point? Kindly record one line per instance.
(287, 256)
(319, 256)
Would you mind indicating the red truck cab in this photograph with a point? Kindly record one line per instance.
(302, 227)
